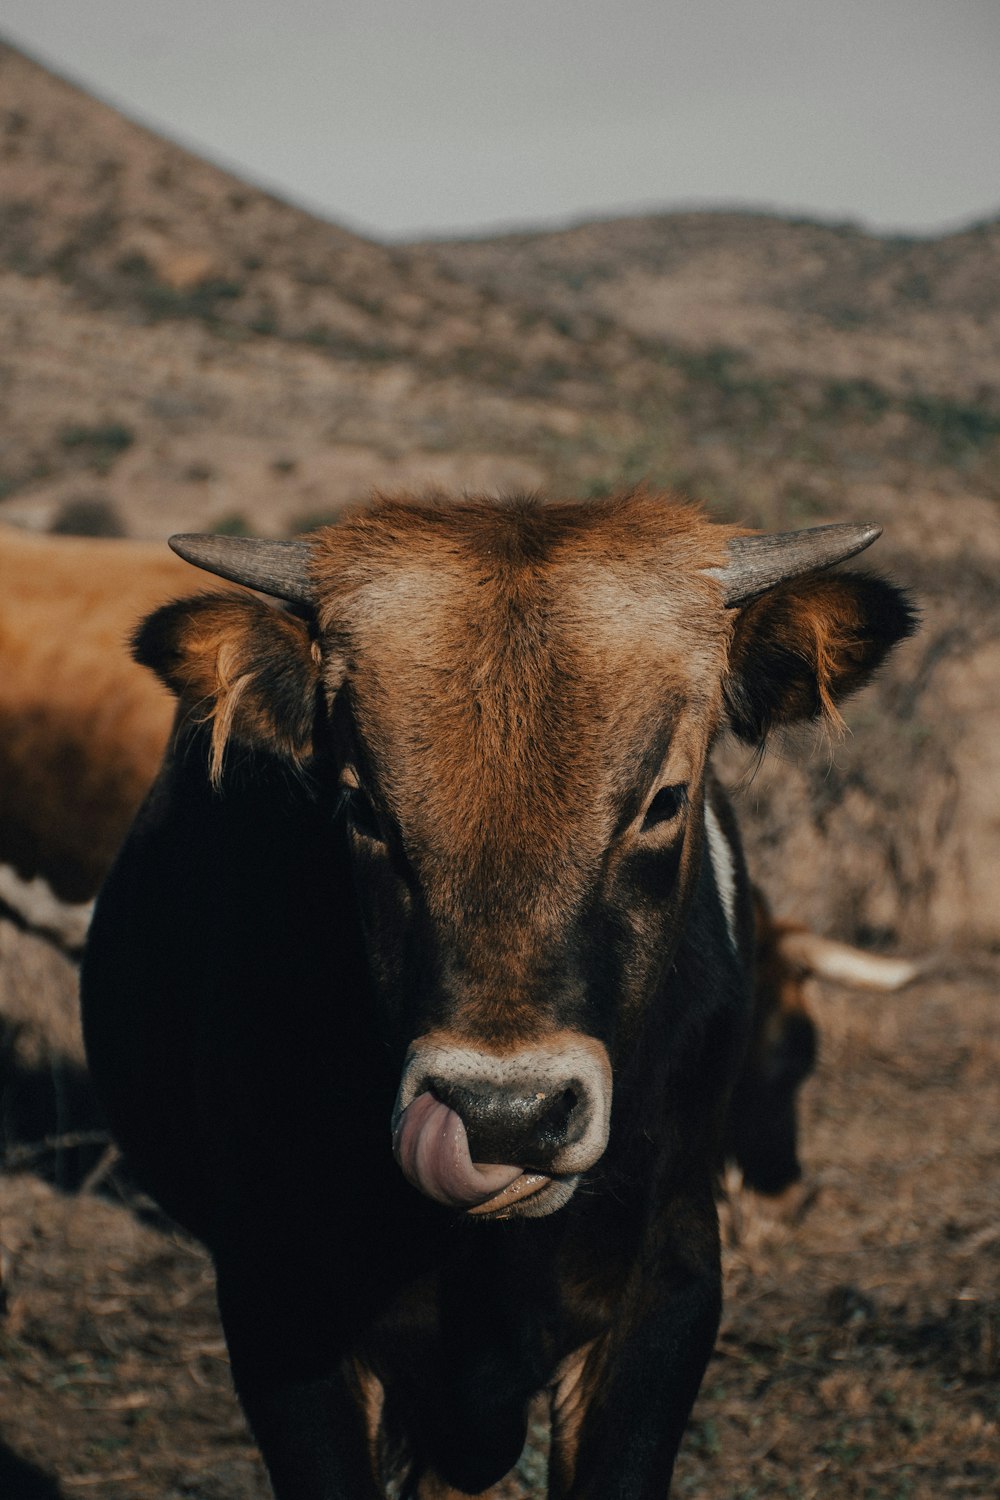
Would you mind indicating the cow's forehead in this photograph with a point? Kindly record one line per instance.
(629, 568)
(493, 647)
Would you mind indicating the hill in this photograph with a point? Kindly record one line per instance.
(188, 352)
(193, 347)
(911, 316)
(190, 347)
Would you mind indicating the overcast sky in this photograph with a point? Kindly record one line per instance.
(404, 117)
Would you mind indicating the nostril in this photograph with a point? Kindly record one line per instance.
(561, 1109)
(552, 1123)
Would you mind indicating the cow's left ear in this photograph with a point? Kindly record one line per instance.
(248, 669)
(801, 648)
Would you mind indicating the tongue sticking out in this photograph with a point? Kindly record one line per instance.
(432, 1149)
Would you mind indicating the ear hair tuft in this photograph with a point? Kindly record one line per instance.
(801, 649)
(235, 662)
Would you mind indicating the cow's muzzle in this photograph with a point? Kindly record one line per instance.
(498, 1133)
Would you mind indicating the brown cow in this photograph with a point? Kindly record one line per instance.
(420, 985)
(82, 729)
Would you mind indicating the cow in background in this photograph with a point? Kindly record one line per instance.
(82, 728)
(761, 1134)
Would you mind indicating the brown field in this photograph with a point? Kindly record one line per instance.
(181, 351)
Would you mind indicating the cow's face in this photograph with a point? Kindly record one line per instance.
(521, 735)
(518, 702)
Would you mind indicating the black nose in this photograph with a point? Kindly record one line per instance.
(524, 1126)
(545, 1106)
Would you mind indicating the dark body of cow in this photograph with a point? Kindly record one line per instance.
(761, 1132)
(432, 851)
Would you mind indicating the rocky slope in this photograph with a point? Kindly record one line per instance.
(191, 353)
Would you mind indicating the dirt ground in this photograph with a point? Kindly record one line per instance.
(859, 1351)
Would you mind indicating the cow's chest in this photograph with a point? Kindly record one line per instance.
(464, 1360)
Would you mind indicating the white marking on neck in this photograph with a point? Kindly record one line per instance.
(724, 868)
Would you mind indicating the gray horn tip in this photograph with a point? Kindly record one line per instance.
(185, 543)
(280, 568)
(757, 563)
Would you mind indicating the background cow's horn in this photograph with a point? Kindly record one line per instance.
(757, 563)
(279, 568)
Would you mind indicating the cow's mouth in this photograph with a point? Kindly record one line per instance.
(529, 1196)
(432, 1149)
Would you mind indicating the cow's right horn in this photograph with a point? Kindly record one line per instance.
(278, 568)
(759, 562)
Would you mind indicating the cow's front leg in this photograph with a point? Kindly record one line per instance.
(315, 1418)
(312, 1439)
(620, 1405)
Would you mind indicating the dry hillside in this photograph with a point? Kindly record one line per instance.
(197, 354)
(182, 351)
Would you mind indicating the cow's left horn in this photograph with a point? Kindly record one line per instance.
(758, 563)
(279, 568)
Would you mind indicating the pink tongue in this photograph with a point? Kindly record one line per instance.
(431, 1146)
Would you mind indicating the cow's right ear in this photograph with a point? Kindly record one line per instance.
(236, 662)
(802, 647)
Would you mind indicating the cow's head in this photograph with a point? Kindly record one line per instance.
(518, 700)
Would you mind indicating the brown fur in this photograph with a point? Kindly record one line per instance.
(802, 648)
(241, 665)
(371, 1397)
(572, 1391)
(82, 732)
(466, 733)
(82, 729)
(432, 1487)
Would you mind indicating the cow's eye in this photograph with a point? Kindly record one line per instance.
(361, 814)
(668, 802)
